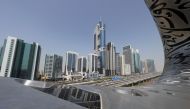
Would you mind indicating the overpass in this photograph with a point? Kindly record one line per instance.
(130, 80)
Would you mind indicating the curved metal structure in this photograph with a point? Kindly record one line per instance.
(173, 21)
(171, 92)
(14, 95)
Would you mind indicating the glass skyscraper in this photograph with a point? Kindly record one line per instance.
(110, 59)
(128, 53)
(82, 64)
(100, 45)
(71, 63)
(137, 61)
(132, 57)
(20, 59)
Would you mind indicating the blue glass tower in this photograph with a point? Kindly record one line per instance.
(100, 45)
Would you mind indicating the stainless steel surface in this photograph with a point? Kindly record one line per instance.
(14, 95)
(37, 84)
(172, 18)
(171, 92)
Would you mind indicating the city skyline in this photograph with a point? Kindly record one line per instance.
(94, 54)
(56, 35)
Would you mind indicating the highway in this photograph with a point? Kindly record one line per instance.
(128, 80)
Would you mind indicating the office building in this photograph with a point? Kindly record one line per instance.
(1, 51)
(82, 64)
(100, 46)
(93, 65)
(137, 61)
(71, 63)
(110, 59)
(20, 59)
(144, 67)
(9, 49)
(125, 68)
(150, 65)
(141, 66)
(122, 64)
(128, 53)
(132, 57)
(53, 66)
(117, 64)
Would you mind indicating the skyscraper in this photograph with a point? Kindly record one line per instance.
(92, 63)
(9, 49)
(124, 68)
(137, 61)
(53, 66)
(132, 57)
(128, 53)
(100, 45)
(150, 66)
(122, 64)
(110, 59)
(117, 63)
(144, 67)
(71, 63)
(99, 36)
(141, 66)
(82, 64)
(20, 59)
(1, 57)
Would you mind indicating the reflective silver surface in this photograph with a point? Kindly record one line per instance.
(171, 92)
(14, 95)
(172, 18)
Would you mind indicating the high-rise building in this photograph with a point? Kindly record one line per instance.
(132, 57)
(1, 53)
(71, 63)
(100, 45)
(20, 59)
(141, 66)
(93, 66)
(1, 48)
(92, 63)
(122, 64)
(53, 66)
(82, 64)
(137, 61)
(125, 68)
(110, 59)
(117, 63)
(9, 49)
(99, 36)
(150, 66)
(128, 53)
(144, 67)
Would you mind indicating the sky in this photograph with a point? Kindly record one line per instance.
(68, 25)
